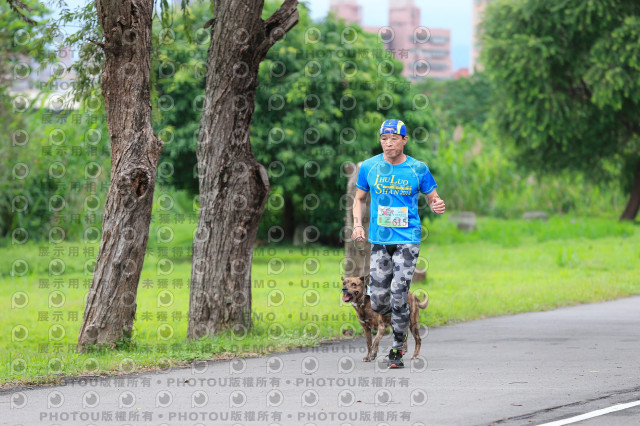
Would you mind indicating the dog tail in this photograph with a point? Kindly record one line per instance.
(424, 303)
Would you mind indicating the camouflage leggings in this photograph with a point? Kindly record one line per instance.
(391, 272)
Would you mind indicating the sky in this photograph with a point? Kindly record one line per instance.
(454, 15)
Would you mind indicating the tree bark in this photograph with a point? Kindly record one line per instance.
(135, 150)
(631, 210)
(233, 185)
(288, 218)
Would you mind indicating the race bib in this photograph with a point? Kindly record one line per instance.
(393, 217)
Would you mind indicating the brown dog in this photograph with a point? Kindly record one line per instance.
(354, 290)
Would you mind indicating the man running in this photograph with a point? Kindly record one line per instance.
(395, 181)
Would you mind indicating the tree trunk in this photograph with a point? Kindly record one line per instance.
(288, 218)
(233, 185)
(356, 261)
(631, 210)
(135, 150)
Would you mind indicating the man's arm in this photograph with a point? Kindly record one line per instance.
(358, 202)
(432, 196)
(436, 204)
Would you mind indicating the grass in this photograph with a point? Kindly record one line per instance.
(504, 267)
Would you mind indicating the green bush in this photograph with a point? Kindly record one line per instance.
(55, 173)
(477, 173)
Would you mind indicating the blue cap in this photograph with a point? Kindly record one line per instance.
(393, 126)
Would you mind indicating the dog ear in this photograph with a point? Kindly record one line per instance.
(342, 278)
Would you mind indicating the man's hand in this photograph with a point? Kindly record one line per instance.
(437, 205)
(358, 233)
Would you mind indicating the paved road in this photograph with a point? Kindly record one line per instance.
(523, 369)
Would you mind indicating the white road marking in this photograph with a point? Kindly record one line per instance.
(592, 414)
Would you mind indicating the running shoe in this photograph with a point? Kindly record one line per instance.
(395, 359)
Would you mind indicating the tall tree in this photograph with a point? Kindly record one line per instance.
(126, 49)
(465, 101)
(135, 150)
(566, 76)
(323, 92)
(233, 185)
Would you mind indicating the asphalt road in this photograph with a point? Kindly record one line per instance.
(528, 369)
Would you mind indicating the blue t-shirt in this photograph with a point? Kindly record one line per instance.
(394, 198)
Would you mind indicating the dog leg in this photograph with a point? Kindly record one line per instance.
(415, 330)
(414, 321)
(382, 328)
(367, 336)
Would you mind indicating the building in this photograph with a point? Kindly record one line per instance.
(425, 52)
(460, 73)
(478, 12)
(349, 10)
(437, 51)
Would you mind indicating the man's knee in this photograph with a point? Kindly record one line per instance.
(399, 302)
(380, 302)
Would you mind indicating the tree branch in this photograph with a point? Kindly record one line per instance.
(278, 24)
(97, 43)
(16, 5)
(587, 92)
